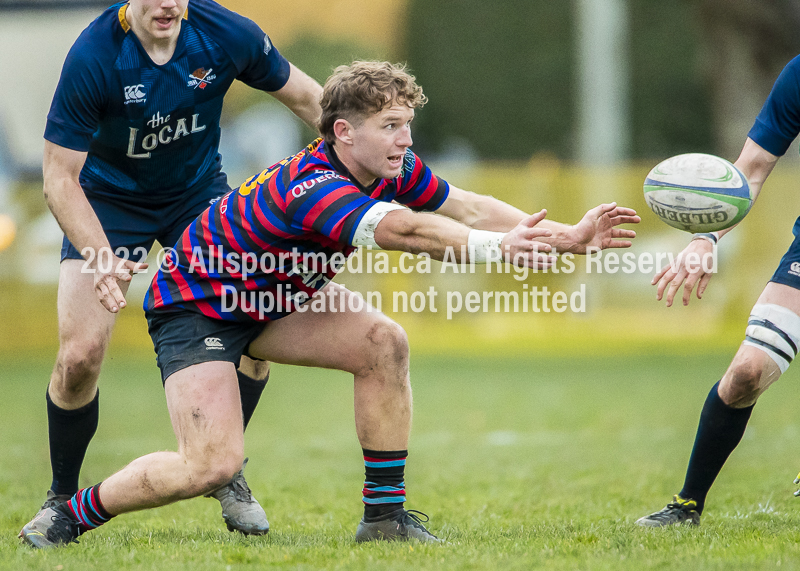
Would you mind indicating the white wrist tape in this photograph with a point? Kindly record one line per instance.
(365, 231)
(484, 246)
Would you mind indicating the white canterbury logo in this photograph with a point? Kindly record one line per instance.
(794, 269)
(213, 343)
(134, 94)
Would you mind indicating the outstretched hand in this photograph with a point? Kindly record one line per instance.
(106, 283)
(694, 265)
(597, 230)
(521, 248)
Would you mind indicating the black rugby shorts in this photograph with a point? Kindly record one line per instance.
(184, 338)
(788, 272)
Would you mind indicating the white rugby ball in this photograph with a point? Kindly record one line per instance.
(698, 193)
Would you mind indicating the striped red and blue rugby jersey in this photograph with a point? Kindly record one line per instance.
(307, 204)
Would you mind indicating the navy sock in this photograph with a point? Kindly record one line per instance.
(250, 391)
(720, 430)
(384, 486)
(70, 432)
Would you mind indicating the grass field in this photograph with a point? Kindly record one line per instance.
(521, 464)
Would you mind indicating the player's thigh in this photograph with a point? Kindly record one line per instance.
(345, 339)
(206, 413)
(182, 339)
(771, 342)
(777, 312)
(783, 295)
(83, 323)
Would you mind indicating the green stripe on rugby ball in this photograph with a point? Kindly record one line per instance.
(699, 211)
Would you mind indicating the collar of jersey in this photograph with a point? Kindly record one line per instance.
(339, 166)
(123, 21)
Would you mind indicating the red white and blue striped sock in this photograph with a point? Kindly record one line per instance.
(87, 508)
(384, 487)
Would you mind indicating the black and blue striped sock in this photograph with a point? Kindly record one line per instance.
(384, 486)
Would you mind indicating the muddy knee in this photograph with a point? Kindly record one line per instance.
(212, 472)
(742, 384)
(386, 347)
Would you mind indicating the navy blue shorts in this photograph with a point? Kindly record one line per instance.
(131, 227)
(788, 272)
(184, 338)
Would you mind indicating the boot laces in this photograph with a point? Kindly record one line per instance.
(65, 530)
(413, 518)
(678, 503)
(240, 488)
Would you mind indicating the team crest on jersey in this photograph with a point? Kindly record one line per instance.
(134, 94)
(200, 77)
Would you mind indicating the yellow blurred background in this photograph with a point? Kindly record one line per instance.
(374, 23)
(622, 314)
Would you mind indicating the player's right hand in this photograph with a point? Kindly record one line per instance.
(521, 248)
(106, 283)
(694, 266)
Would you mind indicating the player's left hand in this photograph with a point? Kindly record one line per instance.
(597, 230)
(106, 283)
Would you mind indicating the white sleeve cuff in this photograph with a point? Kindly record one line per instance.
(365, 231)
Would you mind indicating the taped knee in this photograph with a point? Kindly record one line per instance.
(776, 331)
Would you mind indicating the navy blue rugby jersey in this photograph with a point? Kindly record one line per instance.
(152, 131)
(778, 123)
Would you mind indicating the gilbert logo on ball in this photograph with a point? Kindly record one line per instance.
(698, 193)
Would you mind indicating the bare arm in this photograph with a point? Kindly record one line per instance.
(756, 163)
(418, 233)
(301, 95)
(482, 212)
(597, 229)
(66, 200)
